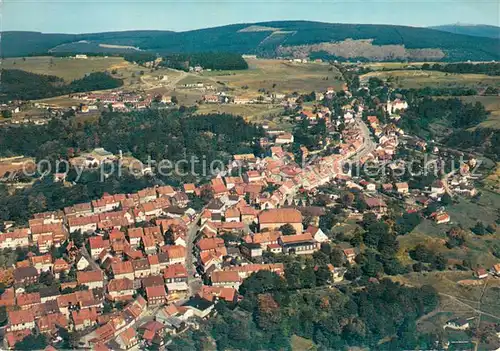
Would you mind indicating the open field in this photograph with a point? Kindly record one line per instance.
(419, 79)
(67, 68)
(275, 76)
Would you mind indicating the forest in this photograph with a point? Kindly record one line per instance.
(22, 85)
(452, 112)
(486, 140)
(165, 134)
(207, 60)
(382, 315)
(173, 135)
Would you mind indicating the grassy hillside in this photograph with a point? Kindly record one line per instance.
(67, 68)
(266, 38)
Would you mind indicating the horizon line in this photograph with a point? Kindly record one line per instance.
(246, 23)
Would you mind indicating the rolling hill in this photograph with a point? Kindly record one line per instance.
(271, 39)
(477, 30)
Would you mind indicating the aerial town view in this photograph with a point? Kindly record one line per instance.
(235, 175)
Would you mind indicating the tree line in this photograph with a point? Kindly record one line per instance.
(207, 60)
(491, 69)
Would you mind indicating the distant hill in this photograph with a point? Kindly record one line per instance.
(477, 30)
(272, 39)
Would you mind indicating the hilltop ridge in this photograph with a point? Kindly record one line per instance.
(271, 39)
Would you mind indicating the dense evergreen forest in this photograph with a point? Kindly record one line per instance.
(208, 60)
(22, 85)
(234, 38)
(491, 69)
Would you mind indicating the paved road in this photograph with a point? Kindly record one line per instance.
(193, 283)
(368, 144)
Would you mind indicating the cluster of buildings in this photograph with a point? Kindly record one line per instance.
(119, 100)
(145, 252)
(125, 252)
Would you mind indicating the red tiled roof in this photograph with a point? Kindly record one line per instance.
(124, 267)
(148, 241)
(175, 251)
(28, 299)
(14, 337)
(210, 243)
(79, 221)
(97, 242)
(155, 291)
(120, 284)
(177, 270)
(232, 213)
(211, 292)
(280, 215)
(287, 239)
(89, 277)
(21, 317)
(225, 277)
(153, 260)
(135, 232)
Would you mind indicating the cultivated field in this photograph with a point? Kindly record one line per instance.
(67, 68)
(275, 76)
(419, 79)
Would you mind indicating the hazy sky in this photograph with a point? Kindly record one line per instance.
(83, 16)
